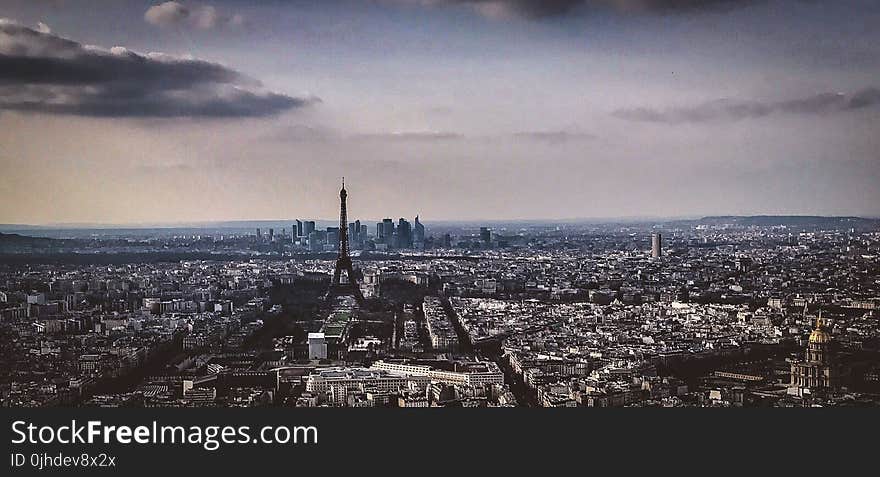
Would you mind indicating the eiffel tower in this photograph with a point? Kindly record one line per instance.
(343, 260)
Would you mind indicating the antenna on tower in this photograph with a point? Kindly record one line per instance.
(343, 260)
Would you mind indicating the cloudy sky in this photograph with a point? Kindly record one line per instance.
(127, 112)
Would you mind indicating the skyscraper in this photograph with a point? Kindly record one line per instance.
(334, 234)
(354, 234)
(485, 235)
(656, 245)
(418, 234)
(387, 230)
(308, 227)
(298, 230)
(404, 233)
(315, 241)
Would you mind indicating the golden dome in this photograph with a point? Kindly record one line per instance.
(820, 336)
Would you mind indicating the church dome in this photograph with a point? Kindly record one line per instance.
(820, 336)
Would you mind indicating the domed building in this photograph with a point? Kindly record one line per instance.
(817, 371)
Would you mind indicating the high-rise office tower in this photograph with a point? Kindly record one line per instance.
(316, 241)
(334, 234)
(387, 230)
(418, 233)
(298, 229)
(259, 234)
(354, 234)
(404, 233)
(308, 227)
(485, 235)
(656, 245)
(271, 235)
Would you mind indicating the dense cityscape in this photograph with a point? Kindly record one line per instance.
(224, 223)
(713, 312)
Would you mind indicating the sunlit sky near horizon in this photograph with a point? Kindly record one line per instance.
(137, 111)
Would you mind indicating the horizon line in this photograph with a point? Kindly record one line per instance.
(608, 219)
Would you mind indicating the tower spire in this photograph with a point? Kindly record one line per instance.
(343, 260)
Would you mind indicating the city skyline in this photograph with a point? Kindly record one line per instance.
(458, 111)
(734, 313)
(230, 226)
(246, 223)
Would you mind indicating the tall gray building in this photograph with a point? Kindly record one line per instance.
(485, 235)
(656, 245)
(308, 227)
(387, 230)
(418, 233)
(404, 233)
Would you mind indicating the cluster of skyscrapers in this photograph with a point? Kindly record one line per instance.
(389, 235)
(403, 235)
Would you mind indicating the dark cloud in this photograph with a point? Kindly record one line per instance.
(731, 110)
(41, 72)
(549, 8)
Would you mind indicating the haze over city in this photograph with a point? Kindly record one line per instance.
(132, 112)
(231, 227)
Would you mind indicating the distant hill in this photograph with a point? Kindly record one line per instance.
(789, 220)
(16, 241)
